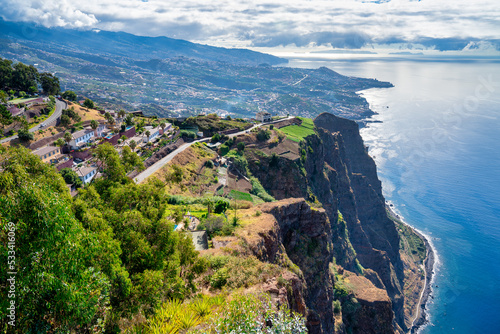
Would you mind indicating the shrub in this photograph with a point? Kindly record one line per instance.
(337, 307)
(221, 206)
(215, 138)
(24, 135)
(241, 146)
(209, 164)
(258, 190)
(223, 149)
(263, 135)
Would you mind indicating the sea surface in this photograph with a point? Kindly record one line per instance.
(437, 149)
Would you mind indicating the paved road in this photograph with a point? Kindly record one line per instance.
(60, 105)
(160, 163)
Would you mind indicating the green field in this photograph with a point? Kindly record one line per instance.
(16, 101)
(299, 132)
(240, 196)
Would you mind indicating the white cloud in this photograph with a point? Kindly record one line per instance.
(246, 23)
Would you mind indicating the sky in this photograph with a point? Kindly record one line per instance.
(352, 24)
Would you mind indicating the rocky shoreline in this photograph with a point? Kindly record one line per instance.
(430, 260)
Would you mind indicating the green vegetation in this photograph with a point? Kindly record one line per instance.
(258, 190)
(23, 78)
(240, 196)
(88, 103)
(263, 134)
(211, 124)
(242, 314)
(69, 95)
(70, 177)
(299, 132)
(25, 135)
(410, 242)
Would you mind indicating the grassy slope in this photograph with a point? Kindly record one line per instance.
(298, 132)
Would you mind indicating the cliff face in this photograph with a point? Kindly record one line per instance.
(373, 235)
(302, 235)
(298, 237)
(334, 170)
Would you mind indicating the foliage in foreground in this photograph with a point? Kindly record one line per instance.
(239, 314)
(85, 263)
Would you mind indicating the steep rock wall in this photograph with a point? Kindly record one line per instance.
(373, 235)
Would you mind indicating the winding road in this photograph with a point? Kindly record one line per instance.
(160, 163)
(60, 105)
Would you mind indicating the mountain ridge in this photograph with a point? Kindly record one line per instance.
(122, 44)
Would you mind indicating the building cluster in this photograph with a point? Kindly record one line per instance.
(77, 151)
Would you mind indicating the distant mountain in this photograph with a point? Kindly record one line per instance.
(81, 43)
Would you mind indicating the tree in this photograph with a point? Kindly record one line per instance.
(25, 135)
(23, 77)
(263, 135)
(3, 96)
(65, 120)
(63, 286)
(5, 74)
(148, 133)
(241, 146)
(59, 142)
(132, 144)
(94, 125)
(163, 125)
(69, 95)
(221, 206)
(111, 163)
(50, 84)
(5, 114)
(121, 113)
(129, 120)
(131, 160)
(67, 137)
(32, 90)
(215, 138)
(70, 177)
(88, 103)
(176, 175)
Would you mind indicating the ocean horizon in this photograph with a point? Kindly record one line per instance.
(435, 138)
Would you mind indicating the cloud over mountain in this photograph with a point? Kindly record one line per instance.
(442, 24)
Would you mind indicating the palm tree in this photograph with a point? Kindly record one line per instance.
(132, 144)
(148, 134)
(163, 126)
(59, 142)
(121, 113)
(94, 125)
(67, 137)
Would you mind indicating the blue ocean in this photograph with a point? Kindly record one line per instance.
(436, 142)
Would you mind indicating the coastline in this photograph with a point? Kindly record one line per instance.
(421, 319)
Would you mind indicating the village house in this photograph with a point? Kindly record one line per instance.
(49, 154)
(263, 117)
(80, 138)
(153, 133)
(86, 174)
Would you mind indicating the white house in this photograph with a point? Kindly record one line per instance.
(153, 133)
(263, 117)
(100, 129)
(80, 138)
(86, 174)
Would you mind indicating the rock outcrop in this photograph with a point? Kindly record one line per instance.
(333, 169)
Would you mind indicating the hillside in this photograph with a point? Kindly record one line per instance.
(106, 47)
(170, 78)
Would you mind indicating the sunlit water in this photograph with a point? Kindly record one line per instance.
(437, 150)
